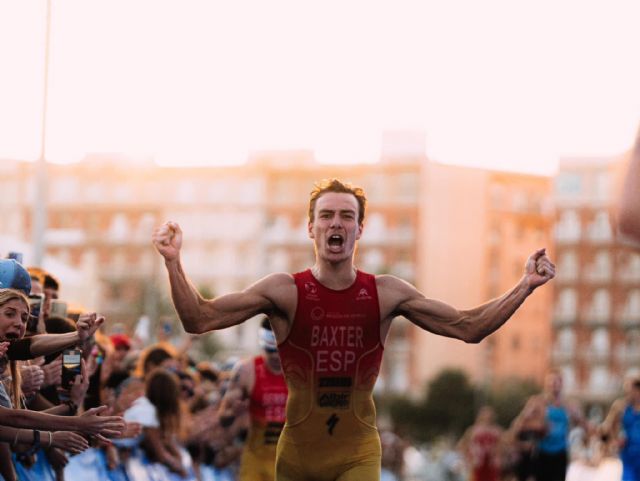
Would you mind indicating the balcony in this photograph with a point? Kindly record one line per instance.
(598, 275)
(596, 356)
(630, 321)
(563, 355)
(628, 355)
(597, 319)
(562, 319)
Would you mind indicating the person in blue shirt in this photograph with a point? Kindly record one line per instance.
(622, 424)
(551, 451)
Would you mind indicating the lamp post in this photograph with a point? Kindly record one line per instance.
(39, 224)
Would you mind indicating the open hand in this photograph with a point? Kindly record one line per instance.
(69, 441)
(102, 427)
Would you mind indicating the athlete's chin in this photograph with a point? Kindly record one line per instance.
(336, 257)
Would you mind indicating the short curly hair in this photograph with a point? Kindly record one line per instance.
(340, 187)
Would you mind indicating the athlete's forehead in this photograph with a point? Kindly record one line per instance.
(337, 202)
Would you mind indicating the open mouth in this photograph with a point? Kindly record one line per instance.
(12, 336)
(335, 242)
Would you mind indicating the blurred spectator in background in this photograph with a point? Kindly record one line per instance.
(524, 434)
(159, 413)
(622, 425)
(255, 401)
(480, 446)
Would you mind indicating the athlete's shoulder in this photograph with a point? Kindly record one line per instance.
(271, 282)
(284, 278)
(392, 284)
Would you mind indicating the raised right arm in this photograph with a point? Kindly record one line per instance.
(199, 315)
(629, 221)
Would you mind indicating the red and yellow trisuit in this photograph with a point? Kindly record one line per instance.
(331, 360)
(267, 403)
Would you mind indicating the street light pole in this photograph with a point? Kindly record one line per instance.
(40, 201)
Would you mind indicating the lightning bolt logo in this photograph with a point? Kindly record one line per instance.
(331, 423)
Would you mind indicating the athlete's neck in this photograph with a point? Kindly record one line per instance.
(335, 276)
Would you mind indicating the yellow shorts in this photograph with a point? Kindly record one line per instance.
(259, 466)
(358, 460)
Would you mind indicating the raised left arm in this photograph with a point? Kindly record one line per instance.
(629, 215)
(471, 325)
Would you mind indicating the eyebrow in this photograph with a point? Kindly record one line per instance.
(13, 309)
(342, 211)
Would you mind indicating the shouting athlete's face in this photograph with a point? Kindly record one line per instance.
(335, 228)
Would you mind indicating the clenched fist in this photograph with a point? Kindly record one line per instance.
(167, 240)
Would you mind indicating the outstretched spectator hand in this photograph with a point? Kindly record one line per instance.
(3, 348)
(102, 427)
(68, 441)
(32, 379)
(52, 372)
(57, 458)
(87, 325)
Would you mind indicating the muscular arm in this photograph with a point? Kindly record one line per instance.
(200, 315)
(629, 221)
(471, 325)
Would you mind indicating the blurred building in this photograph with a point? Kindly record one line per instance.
(477, 229)
(596, 322)
(459, 234)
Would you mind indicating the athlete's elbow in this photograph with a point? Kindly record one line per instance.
(466, 329)
(191, 324)
(192, 328)
(473, 338)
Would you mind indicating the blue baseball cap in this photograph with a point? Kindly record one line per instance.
(14, 276)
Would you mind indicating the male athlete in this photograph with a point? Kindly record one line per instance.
(259, 382)
(331, 322)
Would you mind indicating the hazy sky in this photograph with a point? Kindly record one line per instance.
(502, 84)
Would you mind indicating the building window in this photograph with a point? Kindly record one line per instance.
(568, 266)
(599, 379)
(600, 228)
(600, 307)
(566, 339)
(568, 184)
(568, 228)
(601, 183)
(600, 341)
(568, 377)
(600, 269)
(631, 310)
(567, 303)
